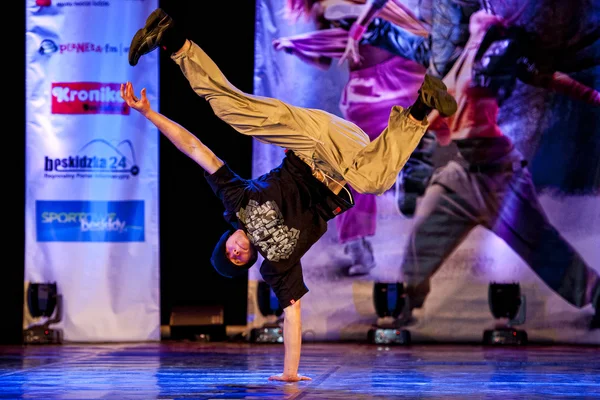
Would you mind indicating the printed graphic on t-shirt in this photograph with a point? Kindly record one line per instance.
(264, 223)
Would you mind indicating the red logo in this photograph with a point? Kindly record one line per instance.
(87, 98)
(43, 3)
(84, 47)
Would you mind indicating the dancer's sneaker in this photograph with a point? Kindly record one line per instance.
(150, 37)
(433, 93)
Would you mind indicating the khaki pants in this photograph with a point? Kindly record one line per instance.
(368, 166)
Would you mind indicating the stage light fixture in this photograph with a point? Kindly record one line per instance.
(389, 300)
(268, 305)
(43, 301)
(508, 305)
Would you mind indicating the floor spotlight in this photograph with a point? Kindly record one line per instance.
(507, 304)
(268, 305)
(43, 301)
(389, 300)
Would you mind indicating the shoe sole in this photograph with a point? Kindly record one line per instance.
(151, 22)
(444, 102)
(434, 81)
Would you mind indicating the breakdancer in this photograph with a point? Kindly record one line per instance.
(281, 214)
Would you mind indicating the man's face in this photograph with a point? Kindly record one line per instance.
(238, 248)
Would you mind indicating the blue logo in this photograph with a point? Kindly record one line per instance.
(48, 47)
(96, 159)
(90, 221)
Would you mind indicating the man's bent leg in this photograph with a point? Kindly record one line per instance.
(376, 166)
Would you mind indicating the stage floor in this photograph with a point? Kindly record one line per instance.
(193, 370)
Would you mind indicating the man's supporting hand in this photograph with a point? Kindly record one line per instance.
(292, 342)
(289, 378)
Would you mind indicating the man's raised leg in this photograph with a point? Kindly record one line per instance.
(266, 119)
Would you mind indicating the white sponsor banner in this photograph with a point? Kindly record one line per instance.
(92, 169)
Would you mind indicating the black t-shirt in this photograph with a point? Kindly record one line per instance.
(284, 212)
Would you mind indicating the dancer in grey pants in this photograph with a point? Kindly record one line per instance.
(492, 188)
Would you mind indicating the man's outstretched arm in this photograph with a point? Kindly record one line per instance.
(292, 342)
(183, 139)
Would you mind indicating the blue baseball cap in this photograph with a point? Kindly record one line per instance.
(223, 265)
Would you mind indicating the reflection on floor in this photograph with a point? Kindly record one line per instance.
(193, 370)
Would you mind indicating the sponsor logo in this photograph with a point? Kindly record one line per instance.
(96, 159)
(90, 221)
(87, 98)
(50, 47)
